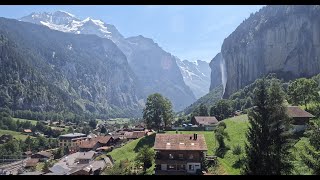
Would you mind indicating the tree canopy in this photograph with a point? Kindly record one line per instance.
(158, 112)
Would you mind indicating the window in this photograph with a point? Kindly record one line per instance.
(170, 156)
(191, 156)
(180, 156)
(171, 167)
(191, 167)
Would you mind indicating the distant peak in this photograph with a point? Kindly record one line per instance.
(65, 12)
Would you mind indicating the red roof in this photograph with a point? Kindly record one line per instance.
(92, 142)
(206, 120)
(295, 111)
(180, 142)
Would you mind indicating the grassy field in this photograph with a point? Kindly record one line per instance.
(33, 122)
(17, 135)
(236, 128)
(131, 149)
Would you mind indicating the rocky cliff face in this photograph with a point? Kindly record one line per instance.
(281, 39)
(52, 70)
(158, 71)
(196, 75)
(216, 74)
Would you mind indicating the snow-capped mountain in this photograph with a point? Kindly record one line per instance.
(155, 68)
(196, 75)
(66, 22)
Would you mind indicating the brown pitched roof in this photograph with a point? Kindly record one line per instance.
(104, 139)
(92, 142)
(180, 142)
(206, 120)
(88, 144)
(32, 162)
(86, 155)
(295, 111)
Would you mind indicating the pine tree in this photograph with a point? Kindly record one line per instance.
(311, 156)
(268, 142)
(281, 144)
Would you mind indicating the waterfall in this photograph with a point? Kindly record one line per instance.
(223, 73)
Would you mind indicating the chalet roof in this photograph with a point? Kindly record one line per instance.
(92, 142)
(58, 170)
(32, 162)
(86, 155)
(180, 142)
(44, 153)
(206, 120)
(296, 111)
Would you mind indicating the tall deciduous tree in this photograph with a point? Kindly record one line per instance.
(268, 144)
(303, 91)
(158, 111)
(222, 109)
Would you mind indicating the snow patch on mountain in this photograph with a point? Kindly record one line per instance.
(196, 75)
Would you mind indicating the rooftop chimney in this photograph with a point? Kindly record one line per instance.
(194, 136)
(190, 137)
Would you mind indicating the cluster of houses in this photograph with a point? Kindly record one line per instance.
(83, 149)
(175, 153)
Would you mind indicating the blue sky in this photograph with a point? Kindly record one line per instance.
(186, 31)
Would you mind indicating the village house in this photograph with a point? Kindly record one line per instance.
(96, 142)
(31, 163)
(42, 156)
(72, 141)
(299, 118)
(85, 157)
(179, 153)
(80, 163)
(93, 168)
(204, 121)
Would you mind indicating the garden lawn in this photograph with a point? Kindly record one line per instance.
(33, 122)
(130, 150)
(15, 134)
